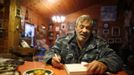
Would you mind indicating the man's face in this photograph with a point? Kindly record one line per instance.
(83, 31)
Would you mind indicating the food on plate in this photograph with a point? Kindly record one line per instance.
(38, 72)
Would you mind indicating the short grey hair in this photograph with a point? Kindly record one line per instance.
(83, 18)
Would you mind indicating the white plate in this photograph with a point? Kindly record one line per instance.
(38, 71)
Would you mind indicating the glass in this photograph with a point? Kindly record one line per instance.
(39, 55)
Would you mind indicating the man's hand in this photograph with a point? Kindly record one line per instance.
(56, 61)
(96, 67)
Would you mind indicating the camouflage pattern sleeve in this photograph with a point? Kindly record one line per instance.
(54, 50)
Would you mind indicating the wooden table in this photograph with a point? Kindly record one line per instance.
(31, 65)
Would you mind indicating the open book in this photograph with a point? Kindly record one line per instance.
(76, 69)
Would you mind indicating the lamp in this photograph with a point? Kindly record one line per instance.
(58, 19)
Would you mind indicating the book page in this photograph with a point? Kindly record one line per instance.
(76, 69)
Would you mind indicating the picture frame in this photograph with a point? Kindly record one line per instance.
(105, 31)
(115, 31)
(63, 26)
(94, 26)
(71, 26)
(18, 12)
(110, 40)
(108, 13)
(117, 40)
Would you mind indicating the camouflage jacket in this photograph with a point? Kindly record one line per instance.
(95, 49)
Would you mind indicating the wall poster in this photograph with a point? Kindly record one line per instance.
(108, 13)
(116, 31)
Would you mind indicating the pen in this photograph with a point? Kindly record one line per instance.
(57, 59)
(108, 73)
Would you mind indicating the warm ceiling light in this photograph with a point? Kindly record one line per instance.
(62, 18)
(54, 18)
(58, 19)
(51, 1)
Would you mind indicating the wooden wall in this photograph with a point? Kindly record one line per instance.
(4, 19)
(12, 21)
(95, 12)
(33, 17)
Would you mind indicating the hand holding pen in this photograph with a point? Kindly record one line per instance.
(57, 58)
(56, 61)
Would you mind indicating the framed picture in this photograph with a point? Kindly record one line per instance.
(94, 24)
(71, 27)
(64, 26)
(105, 28)
(105, 31)
(18, 12)
(57, 28)
(117, 40)
(110, 40)
(108, 13)
(116, 31)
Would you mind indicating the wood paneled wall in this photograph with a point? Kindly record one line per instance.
(11, 21)
(95, 12)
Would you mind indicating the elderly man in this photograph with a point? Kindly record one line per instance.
(84, 46)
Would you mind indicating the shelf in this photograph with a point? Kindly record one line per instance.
(24, 51)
